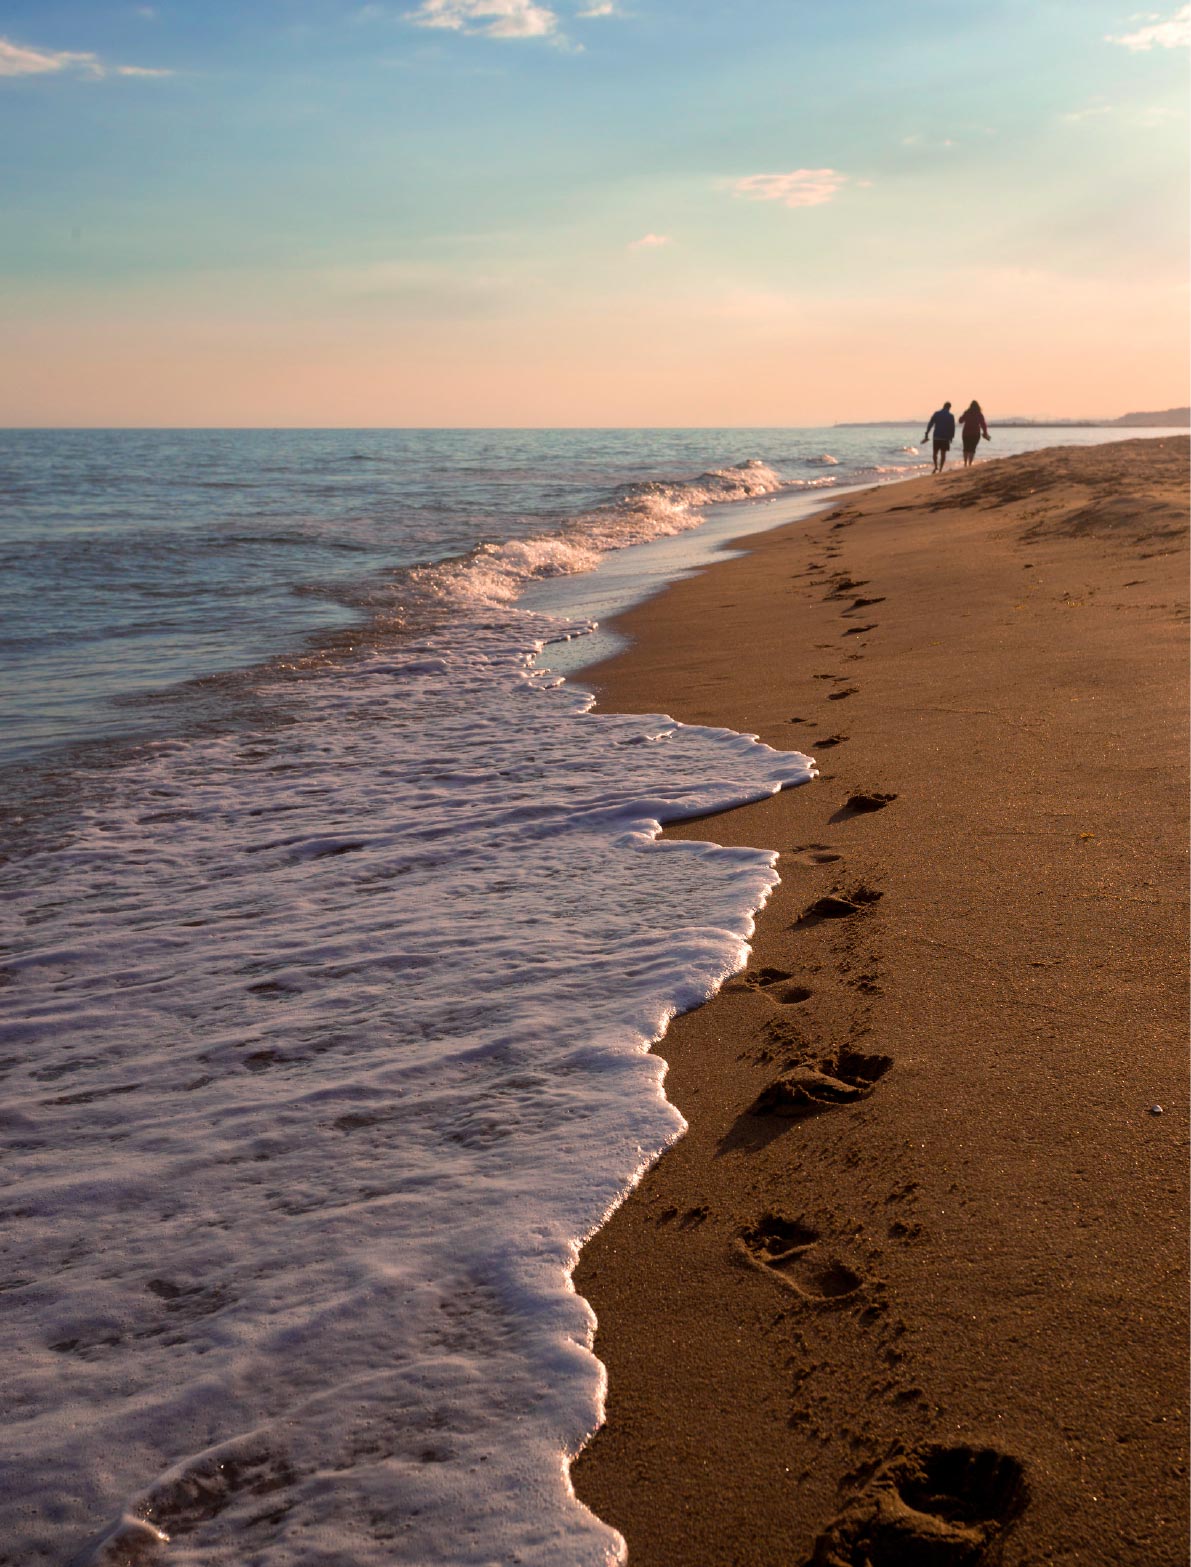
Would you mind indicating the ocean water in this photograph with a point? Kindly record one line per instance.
(134, 561)
(337, 929)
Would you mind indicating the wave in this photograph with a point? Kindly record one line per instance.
(295, 538)
(493, 574)
(885, 472)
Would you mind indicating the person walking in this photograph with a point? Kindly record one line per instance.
(972, 426)
(942, 422)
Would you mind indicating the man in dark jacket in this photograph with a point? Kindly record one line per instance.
(943, 424)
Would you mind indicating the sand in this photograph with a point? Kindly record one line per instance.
(913, 1287)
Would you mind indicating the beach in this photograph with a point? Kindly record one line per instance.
(331, 979)
(912, 1286)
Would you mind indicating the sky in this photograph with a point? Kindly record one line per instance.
(590, 212)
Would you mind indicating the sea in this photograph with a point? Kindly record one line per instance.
(337, 933)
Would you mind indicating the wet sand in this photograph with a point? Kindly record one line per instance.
(913, 1287)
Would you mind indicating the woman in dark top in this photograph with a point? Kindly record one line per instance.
(971, 423)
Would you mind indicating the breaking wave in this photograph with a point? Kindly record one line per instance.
(493, 574)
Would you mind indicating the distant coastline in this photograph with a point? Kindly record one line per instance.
(1168, 419)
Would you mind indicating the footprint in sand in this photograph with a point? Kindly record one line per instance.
(838, 696)
(839, 906)
(790, 1249)
(857, 631)
(866, 603)
(823, 1083)
(778, 986)
(937, 1507)
(825, 745)
(812, 854)
(864, 802)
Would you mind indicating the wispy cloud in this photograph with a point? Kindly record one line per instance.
(650, 242)
(23, 60)
(492, 18)
(1156, 114)
(1093, 111)
(18, 60)
(799, 188)
(600, 8)
(1148, 116)
(1173, 32)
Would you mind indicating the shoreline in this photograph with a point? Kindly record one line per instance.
(948, 1257)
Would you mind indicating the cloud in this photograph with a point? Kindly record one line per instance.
(16, 60)
(800, 188)
(1149, 116)
(1173, 33)
(21, 60)
(650, 242)
(1155, 115)
(491, 18)
(1092, 112)
(599, 8)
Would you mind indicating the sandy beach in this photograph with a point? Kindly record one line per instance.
(912, 1288)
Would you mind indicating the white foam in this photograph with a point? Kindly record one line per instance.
(329, 1047)
(495, 574)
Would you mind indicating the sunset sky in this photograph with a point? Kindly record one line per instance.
(576, 212)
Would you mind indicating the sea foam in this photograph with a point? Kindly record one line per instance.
(495, 573)
(327, 1047)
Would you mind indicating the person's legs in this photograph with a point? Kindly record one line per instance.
(969, 454)
(941, 448)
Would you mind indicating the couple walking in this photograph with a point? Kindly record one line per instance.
(943, 423)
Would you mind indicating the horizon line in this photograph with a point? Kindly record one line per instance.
(1010, 420)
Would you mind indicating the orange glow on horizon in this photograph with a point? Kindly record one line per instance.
(1053, 347)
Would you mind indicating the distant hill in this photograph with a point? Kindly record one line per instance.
(1179, 418)
(1168, 419)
